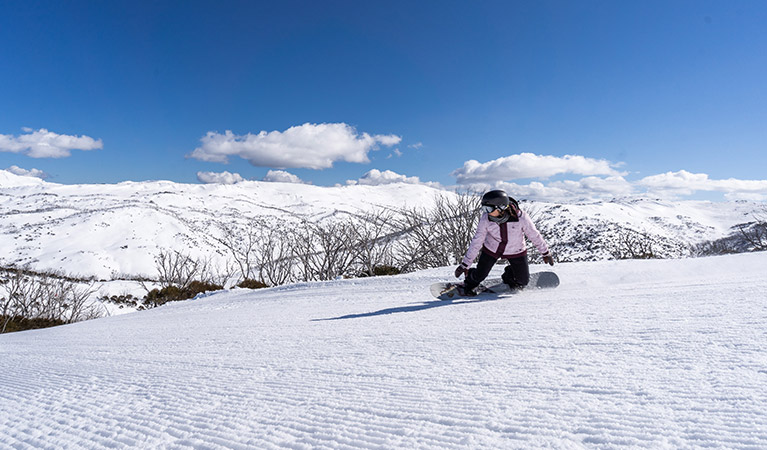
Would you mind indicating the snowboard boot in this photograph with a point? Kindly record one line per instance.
(511, 282)
(464, 292)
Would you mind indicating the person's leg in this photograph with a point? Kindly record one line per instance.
(517, 273)
(477, 274)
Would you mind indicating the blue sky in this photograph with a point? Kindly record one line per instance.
(551, 99)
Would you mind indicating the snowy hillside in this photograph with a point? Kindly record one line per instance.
(115, 231)
(647, 354)
(593, 231)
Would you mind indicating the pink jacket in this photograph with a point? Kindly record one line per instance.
(504, 240)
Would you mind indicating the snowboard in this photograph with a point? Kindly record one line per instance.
(495, 287)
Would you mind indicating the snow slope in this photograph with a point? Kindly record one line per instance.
(647, 354)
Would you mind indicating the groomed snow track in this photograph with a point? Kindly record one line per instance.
(648, 354)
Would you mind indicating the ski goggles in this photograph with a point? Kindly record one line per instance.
(490, 208)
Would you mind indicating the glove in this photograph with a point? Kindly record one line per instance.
(548, 259)
(461, 270)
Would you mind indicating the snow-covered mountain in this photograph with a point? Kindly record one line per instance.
(666, 229)
(108, 230)
(636, 354)
(115, 231)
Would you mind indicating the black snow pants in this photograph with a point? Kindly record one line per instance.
(516, 274)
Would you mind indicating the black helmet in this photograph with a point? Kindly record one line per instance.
(497, 198)
(500, 200)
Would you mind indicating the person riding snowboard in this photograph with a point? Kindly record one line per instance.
(501, 234)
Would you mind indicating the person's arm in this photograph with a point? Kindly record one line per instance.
(476, 242)
(535, 237)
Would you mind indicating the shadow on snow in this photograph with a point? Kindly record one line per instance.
(412, 308)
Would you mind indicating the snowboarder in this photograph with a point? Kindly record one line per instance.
(501, 234)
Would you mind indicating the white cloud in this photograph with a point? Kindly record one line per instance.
(602, 180)
(219, 177)
(388, 139)
(312, 146)
(596, 187)
(682, 182)
(670, 185)
(529, 165)
(416, 146)
(375, 177)
(34, 173)
(589, 188)
(537, 191)
(46, 144)
(280, 176)
(687, 183)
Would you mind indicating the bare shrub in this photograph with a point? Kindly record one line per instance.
(378, 242)
(437, 236)
(725, 246)
(243, 243)
(754, 234)
(44, 298)
(745, 237)
(631, 244)
(373, 242)
(419, 247)
(328, 250)
(277, 258)
(178, 269)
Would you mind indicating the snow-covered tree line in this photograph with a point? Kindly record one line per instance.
(34, 300)
(381, 242)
